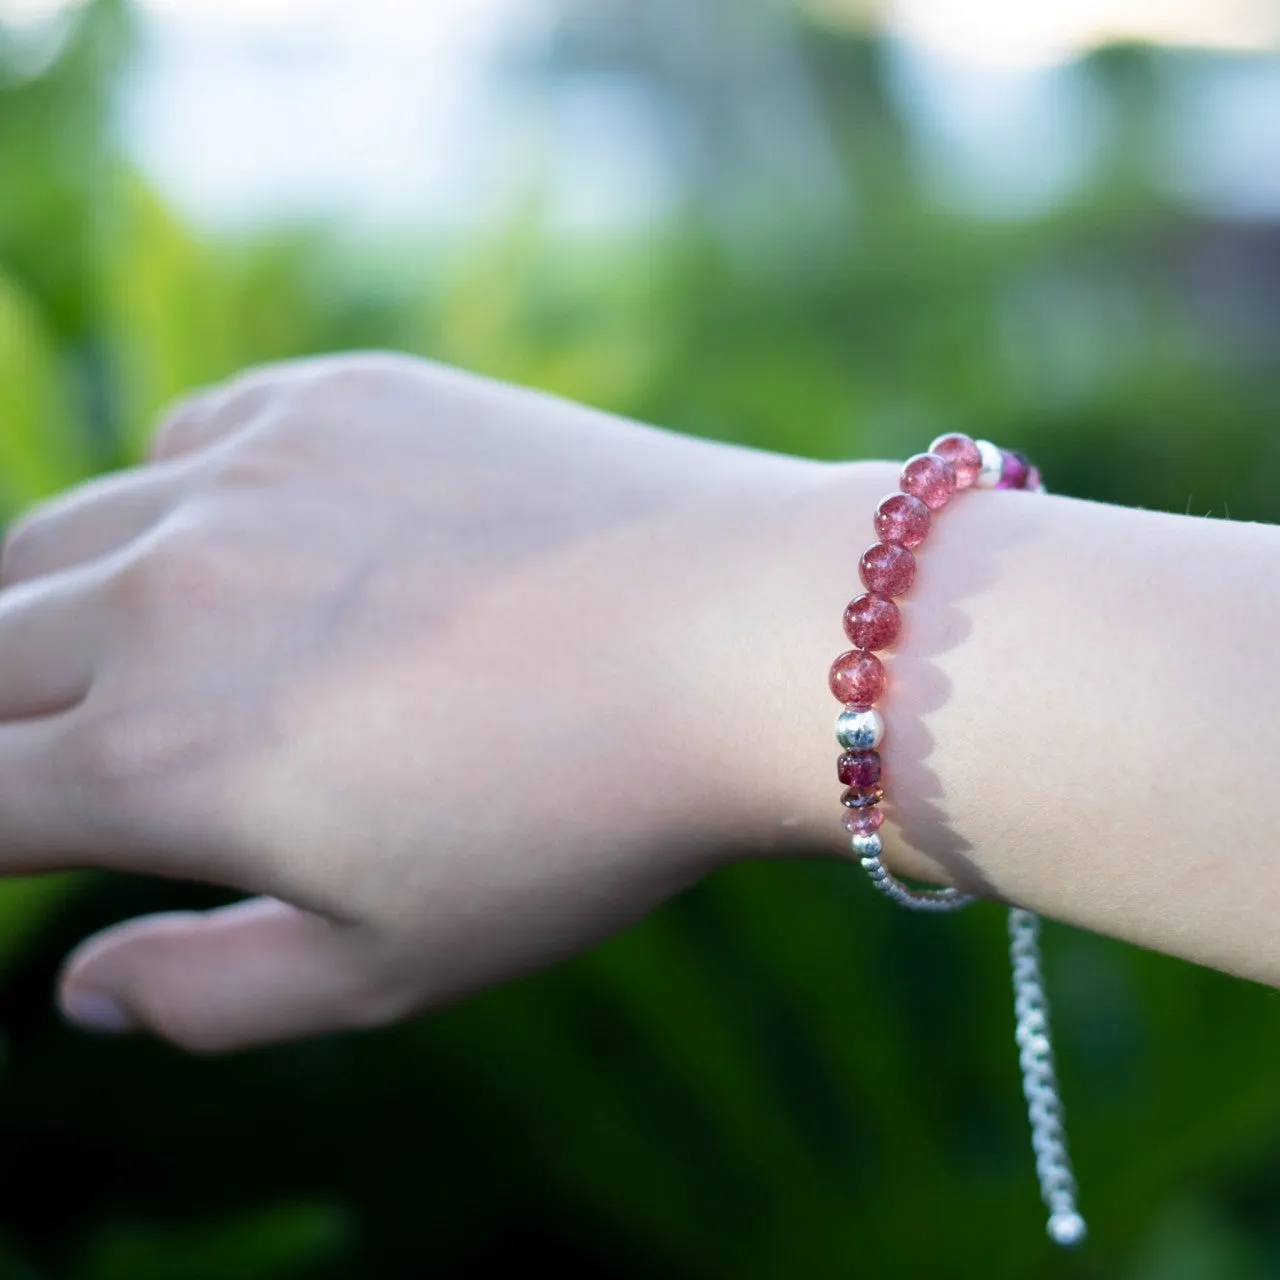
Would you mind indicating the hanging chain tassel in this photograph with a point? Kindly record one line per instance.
(1040, 1081)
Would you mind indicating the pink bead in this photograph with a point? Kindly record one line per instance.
(1013, 474)
(857, 678)
(872, 621)
(963, 455)
(930, 478)
(859, 768)
(862, 822)
(887, 569)
(1033, 478)
(903, 519)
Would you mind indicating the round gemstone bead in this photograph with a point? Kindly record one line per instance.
(930, 478)
(992, 465)
(859, 730)
(887, 569)
(872, 621)
(861, 797)
(902, 518)
(857, 678)
(963, 455)
(862, 822)
(859, 768)
(1013, 471)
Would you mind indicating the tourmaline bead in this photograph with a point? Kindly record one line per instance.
(962, 453)
(1013, 471)
(902, 518)
(872, 621)
(857, 678)
(863, 822)
(887, 569)
(930, 478)
(859, 768)
(861, 797)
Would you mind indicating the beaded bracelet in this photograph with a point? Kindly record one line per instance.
(857, 679)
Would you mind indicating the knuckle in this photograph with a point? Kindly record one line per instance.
(179, 427)
(175, 570)
(24, 548)
(138, 764)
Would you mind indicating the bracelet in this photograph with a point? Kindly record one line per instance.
(857, 679)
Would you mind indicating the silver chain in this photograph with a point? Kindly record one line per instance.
(1040, 1080)
(1035, 1049)
(913, 899)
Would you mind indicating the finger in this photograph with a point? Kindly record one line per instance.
(92, 520)
(253, 973)
(47, 644)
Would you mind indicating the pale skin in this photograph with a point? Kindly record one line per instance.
(454, 679)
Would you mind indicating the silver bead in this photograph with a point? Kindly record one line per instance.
(992, 465)
(868, 846)
(859, 730)
(1066, 1229)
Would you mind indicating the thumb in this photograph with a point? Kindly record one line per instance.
(255, 972)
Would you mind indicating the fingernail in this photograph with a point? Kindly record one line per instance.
(96, 1012)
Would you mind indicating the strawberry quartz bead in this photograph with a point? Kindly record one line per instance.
(930, 478)
(872, 621)
(965, 457)
(859, 768)
(863, 822)
(887, 569)
(902, 518)
(857, 678)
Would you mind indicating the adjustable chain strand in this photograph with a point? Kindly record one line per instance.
(1040, 1080)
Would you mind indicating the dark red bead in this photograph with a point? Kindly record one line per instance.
(872, 621)
(857, 678)
(902, 518)
(887, 569)
(1014, 472)
(859, 768)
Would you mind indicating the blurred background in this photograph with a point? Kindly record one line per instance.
(831, 227)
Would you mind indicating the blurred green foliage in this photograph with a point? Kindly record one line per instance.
(718, 1093)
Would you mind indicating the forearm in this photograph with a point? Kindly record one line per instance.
(1080, 712)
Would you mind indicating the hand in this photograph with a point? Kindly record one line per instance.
(438, 669)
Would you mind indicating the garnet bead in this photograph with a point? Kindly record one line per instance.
(963, 454)
(859, 768)
(902, 518)
(863, 822)
(872, 621)
(857, 678)
(862, 797)
(930, 478)
(887, 569)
